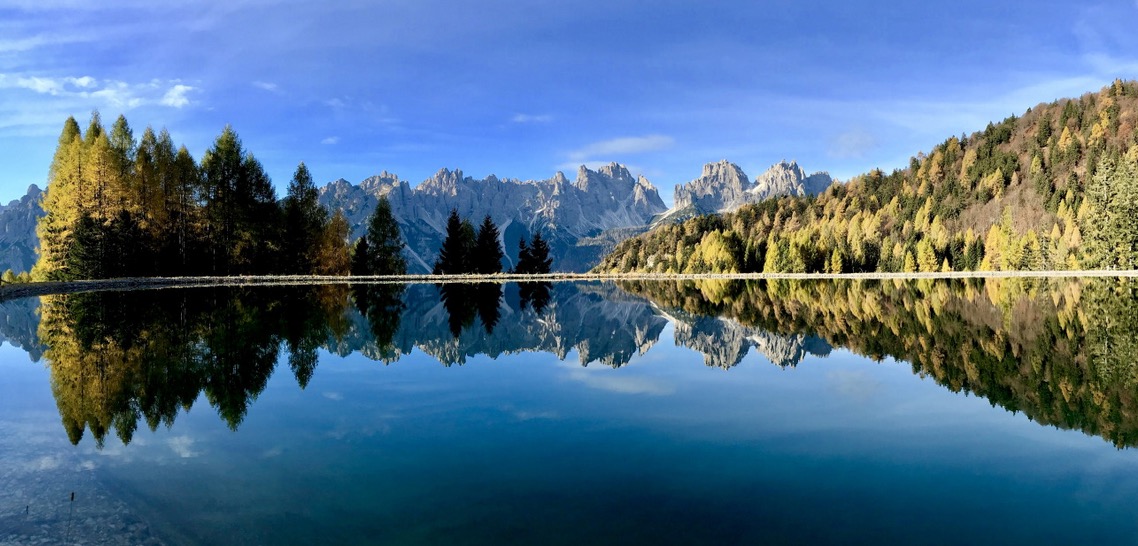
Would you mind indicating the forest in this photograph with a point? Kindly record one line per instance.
(121, 207)
(1053, 189)
(1063, 353)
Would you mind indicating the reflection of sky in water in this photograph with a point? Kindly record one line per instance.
(664, 449)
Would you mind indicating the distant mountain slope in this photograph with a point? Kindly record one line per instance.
(1055, 188)
(18, 231)
(723, 186)
(565, 212)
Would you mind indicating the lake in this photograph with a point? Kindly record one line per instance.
(718, 412)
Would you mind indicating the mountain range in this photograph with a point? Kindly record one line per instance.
(582, 219)
(18, 231)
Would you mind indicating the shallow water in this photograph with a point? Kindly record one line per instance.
(707, 413)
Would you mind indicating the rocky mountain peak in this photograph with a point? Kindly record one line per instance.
(609, 198)
(18, 230)
(724, 187)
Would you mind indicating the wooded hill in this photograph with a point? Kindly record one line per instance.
(1055, 188)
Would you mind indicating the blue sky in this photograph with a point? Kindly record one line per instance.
(523, 88)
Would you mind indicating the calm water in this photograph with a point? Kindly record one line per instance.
(658, 413)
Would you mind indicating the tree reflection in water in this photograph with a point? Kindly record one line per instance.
(1063, 352)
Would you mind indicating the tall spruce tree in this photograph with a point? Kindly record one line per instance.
(487, 256)
(241, 214)
(360, 252)
(1112, 241)
(455, 252)
(385, 243)
(305, 220)
(534, 257)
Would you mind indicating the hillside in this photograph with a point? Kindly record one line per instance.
(1054, 188)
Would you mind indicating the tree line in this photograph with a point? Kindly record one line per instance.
(1054, 188)
(466, 251)
(120, 207)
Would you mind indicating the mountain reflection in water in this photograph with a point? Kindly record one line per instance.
(1062, 352)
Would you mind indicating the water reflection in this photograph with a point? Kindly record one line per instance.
(1063, 352)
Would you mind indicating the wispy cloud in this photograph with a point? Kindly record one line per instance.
(112, 93)
(267, 86)
(618, 381)
(330, 140)
(623, 145)
(182, 446)
(852, 144)
(531, 118)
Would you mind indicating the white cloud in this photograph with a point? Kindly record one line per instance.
(531, 118)
(80, 91)
(267, 86)
(619, 382)
(45, 463)
(182, 446)
(176, 96)
(332, 140)
(623, 145)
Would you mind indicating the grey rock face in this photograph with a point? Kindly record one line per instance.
(18, 231)
(724, 187)
(565, 212)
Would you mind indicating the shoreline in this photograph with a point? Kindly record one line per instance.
(21, 290)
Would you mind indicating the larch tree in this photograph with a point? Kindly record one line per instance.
(61, 205)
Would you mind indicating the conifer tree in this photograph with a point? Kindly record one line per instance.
(241, 214)
(385, 243)
(454, 255)
(487, 256)
(332, 256)
(360, 259)
(305, 221)
(61, 205)
(534, 257)
(539, 251)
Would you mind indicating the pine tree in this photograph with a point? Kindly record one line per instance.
(305, 221)
(454, 254)
(385, 243)
(525, 258)
(540, 251)
(360, 259)
(534, 258)
(241, 214)
(487, 251)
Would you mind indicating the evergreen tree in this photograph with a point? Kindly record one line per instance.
(525, 258)
(360, 258)
(534, 257)
(1112, 240)
(539, 252)
(305, 221)
(488, 254)
(385, 243)
(455, 253)
(241, 214)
